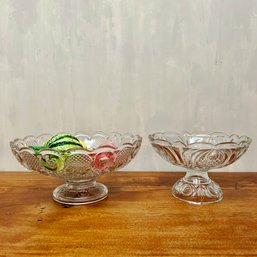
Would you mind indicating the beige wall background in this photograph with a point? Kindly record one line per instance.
(137, 66)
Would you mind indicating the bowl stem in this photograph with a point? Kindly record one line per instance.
(80, 192)
(197, 188)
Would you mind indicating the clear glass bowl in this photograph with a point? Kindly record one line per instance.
(199, 152)
(79, 167)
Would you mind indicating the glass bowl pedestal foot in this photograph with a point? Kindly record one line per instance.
(197, 188)
(80, 192)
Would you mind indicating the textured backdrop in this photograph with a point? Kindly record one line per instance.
(128, 65)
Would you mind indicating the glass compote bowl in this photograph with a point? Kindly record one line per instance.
(79, 167)
(199, 152)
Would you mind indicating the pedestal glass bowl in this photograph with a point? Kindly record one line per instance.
(79, 167)
(199, 152)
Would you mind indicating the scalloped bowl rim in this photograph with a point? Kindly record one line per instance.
(89, 136)
(156, 136)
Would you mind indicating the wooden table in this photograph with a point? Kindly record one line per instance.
(139, 218)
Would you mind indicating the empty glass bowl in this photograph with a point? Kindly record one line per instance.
(79, 159)
(199, 152)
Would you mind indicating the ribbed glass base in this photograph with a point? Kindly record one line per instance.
(197, 188)
(80, 192)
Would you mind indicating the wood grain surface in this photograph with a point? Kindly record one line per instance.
(139, 218)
